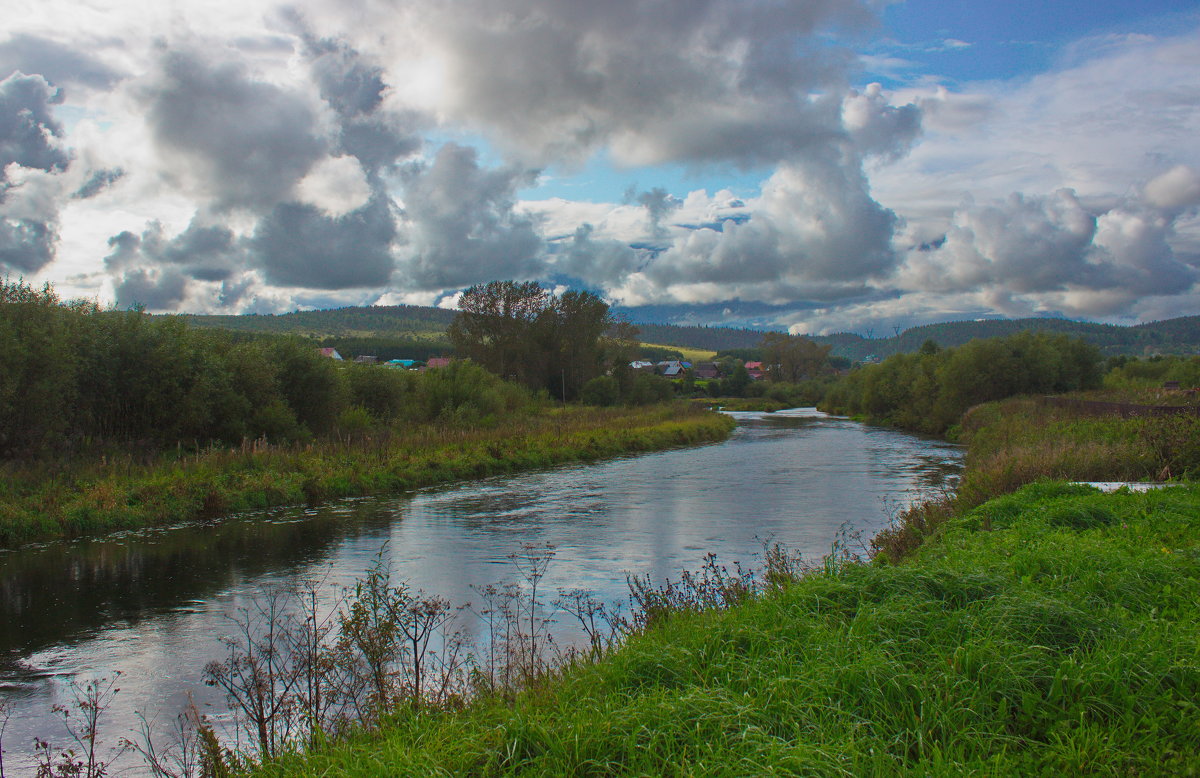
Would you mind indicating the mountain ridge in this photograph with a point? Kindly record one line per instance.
(426, 327)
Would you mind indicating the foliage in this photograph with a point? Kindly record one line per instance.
(1133, 373)
(792, 358)
(74, 377)
(601, 390)
(1020, 441)
(647, 389)
(541, 340)
(930, 390)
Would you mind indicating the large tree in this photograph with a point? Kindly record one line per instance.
(792, 358)
(526, 334)
(496, 327)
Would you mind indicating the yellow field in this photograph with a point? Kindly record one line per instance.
(689, 354)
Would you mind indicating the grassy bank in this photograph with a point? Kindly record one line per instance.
(40, 503)
(1022, 440)
(1051, 631)
(1018, 441)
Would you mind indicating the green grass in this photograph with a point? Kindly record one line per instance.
(688, 353)
(1019, 441)
(126, 492)
(1053, 631)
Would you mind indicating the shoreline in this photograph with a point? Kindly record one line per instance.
(122, 495)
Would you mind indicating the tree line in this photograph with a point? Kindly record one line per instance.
(929, 390)
(74, 376)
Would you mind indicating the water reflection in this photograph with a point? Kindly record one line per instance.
(65, 592)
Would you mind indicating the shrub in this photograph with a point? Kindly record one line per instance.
(602, 390)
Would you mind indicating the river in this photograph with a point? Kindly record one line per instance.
(153, 604)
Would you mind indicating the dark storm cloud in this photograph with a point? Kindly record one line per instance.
(672, 80)
(300, 245)
(462, 225)
(245, 142)
(350, 86)
(379, 141)
(28, 138)
(658, 202)
(26, 245)
(596, 262)
(354, 88)
(156, 289)
(57, 63)
(28, 130)
(97, 182)
(205, 252)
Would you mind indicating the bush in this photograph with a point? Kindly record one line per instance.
(602, 390)
(465, 392)
(383, 391)
(929, 391)
(648, 389)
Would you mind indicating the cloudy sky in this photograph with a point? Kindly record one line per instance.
(820, 165)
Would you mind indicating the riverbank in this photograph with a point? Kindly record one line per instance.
(1022, 440)
(38, 504)
(1050, 631)
(1024, 629)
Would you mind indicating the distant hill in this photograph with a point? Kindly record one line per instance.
(414, 330)
(393, 320)
(706, 338)
(1172, 336)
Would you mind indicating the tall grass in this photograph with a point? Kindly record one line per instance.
(1016, 442)
(1021, 441)
(40, 501)
(1060, 642)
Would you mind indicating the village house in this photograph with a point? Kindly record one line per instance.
(670, 369)
(331, 353)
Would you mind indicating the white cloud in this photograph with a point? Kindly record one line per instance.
(336, 185)
(1178, 188)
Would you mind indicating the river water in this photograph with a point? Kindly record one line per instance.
(154, 604)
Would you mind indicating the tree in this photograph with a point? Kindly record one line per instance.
(523, 333)
(495, 328)
(792, 358)
(572, 328)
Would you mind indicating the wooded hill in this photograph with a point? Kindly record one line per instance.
(419, 331)
(1171, 336)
